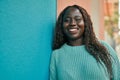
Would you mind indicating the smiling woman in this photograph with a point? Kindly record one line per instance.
(73, 26)
(77, 53)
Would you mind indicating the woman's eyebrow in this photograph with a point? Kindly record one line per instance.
(79, 16)
(67, 16)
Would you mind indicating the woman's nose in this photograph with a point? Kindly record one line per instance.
(73, 22)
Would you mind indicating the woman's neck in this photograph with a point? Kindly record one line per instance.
(77, 42)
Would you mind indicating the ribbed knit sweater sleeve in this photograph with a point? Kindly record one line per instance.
(53, 73)
(115, 61)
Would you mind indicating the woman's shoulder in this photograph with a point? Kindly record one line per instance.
(61, 49)
(109, 48)
(107, 45)
(56, 51)
(104, 43)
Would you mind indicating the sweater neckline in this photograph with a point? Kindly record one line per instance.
(80, 46)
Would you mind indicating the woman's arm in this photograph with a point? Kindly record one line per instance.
(115, 61)
(53, 67)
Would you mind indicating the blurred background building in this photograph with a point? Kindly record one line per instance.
(111, 23)
(105, 17)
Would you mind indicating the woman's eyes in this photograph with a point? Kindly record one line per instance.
(70, 20)
(78, 19)
(67, 20)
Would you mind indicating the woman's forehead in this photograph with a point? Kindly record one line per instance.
(72, 11)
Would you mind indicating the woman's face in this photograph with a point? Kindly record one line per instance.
(73, 24)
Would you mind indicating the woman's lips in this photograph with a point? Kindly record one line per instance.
(73, 30)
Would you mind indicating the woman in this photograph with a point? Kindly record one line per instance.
(77, 53)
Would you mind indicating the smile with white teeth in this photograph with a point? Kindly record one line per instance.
(72, 29)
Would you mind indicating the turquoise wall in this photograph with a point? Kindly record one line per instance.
(25, 38)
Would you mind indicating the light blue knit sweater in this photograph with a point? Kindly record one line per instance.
(75, 63)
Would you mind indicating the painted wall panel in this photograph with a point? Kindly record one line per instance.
(25, 38)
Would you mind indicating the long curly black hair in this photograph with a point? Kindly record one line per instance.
(92, 45)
